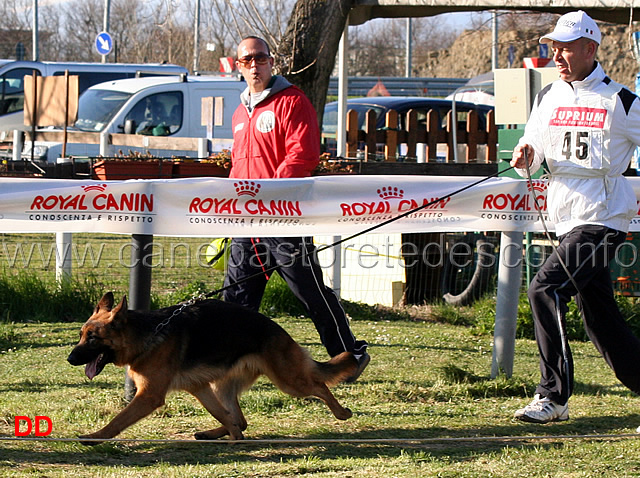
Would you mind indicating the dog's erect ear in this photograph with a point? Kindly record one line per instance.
(122, 307)
(106, 303)
(119, 314)
(118, 318)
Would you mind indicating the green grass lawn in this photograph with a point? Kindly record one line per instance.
(427, 386)
(106, 259)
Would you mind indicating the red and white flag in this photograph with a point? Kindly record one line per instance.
(227, 65)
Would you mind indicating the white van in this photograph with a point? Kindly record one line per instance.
(169, 106)
(12, 75)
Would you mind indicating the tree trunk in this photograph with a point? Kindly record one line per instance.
(307, 52)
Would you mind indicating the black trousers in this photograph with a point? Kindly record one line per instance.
(303, 275)
(586, 251)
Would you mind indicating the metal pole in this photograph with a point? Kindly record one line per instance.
(18, 144)
(196, 37)
(140, 273)
(509, 280)
(336, 268)
(105, 22)
(34, 33)
(454, 115)
(341, 137)
(63, 257)
(105, 144)
(341, 134)
(494, 49)
(203, 147)
(343, 88)
(139, 287)
(407, 68)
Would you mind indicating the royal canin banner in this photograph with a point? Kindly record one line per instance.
(335, 205)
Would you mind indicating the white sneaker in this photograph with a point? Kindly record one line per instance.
(543, 410)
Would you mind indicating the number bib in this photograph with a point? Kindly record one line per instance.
(576, 135)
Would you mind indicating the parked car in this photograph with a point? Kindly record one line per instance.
(402, 104)
(155, 106)
(12, 75)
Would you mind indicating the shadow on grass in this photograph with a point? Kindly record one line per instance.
(34, 387)
(17, 338)
(403, 346)
(456, 444)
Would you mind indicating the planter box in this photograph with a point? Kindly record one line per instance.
(190, 169)
(388, 168)
(112, 169)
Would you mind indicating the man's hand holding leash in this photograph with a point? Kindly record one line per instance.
(521, 152)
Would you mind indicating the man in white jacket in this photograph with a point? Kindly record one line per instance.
(586, 127)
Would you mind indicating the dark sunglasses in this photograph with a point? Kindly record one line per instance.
(259, 58)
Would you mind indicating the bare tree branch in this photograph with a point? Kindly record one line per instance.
(306, 56)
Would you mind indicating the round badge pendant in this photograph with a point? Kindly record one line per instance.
(266, 122)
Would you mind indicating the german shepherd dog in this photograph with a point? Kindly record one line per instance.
(214, 350)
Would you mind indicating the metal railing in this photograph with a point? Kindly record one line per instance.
(438, 87)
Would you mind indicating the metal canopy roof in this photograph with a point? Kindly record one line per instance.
(614, 11)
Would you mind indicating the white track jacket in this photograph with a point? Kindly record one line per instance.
(587, 132)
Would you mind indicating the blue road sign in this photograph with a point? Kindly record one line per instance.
(544, 50)
(104, 43)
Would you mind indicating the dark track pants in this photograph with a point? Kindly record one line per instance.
(586, 251)
(251, 256)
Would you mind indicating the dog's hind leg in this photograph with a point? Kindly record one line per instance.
(232, 424)
(304, 385)
(321, 391)
(293, 371)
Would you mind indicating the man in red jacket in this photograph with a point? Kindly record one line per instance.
(276, 135)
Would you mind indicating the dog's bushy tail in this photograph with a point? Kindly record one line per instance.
(336, 370)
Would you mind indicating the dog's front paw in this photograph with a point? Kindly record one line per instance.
(218, 433)
(204, 436)
(93, 440)
(345, 415)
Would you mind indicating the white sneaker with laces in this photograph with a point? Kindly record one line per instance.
(543, 410)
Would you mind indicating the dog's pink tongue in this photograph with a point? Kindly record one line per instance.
(91, 369)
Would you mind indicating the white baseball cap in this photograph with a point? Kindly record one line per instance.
(572, 26)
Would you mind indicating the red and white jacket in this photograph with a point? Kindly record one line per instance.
(278, 138)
